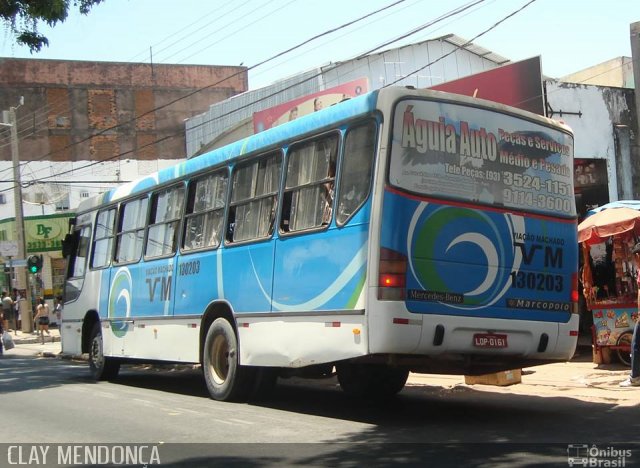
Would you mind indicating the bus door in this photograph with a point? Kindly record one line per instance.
(244, 267)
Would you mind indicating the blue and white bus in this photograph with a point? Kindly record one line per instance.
(399, 231)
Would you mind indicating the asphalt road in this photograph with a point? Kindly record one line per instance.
(53, 401)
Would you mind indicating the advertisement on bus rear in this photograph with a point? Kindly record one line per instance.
(477, 155)
(480, 203)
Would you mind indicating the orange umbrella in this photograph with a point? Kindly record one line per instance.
(610, 222)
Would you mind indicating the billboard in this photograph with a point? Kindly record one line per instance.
(517, 84)
(295, 108)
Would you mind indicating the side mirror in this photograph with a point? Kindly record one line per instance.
(69, 245)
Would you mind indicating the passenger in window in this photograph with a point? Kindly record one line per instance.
(327, 194)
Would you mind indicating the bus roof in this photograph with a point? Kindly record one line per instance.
(340, 112)
(263, 141)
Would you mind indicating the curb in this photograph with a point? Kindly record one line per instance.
(36, 339)
(71, 357)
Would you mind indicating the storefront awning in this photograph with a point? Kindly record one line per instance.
(609, 220)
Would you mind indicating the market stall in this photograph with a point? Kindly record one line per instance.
(608, 274)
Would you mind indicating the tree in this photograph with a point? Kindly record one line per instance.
(22, 17)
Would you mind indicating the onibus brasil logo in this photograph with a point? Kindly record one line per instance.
(592, 455)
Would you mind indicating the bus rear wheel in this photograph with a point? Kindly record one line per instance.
(371, 380)
(101, 367)
(226, 379)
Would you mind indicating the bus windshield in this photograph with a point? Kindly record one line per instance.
(468, 154)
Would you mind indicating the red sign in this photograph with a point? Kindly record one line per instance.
(517, 84)
(291, 110)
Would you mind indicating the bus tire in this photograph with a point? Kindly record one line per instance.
(371, 380)
(101, 367)
(226, 379)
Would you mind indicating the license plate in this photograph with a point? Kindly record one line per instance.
(489, 340)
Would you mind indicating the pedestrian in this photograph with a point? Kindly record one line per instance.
(18, 306)
(42, 318)
(7, 311)
(1, 344)
(15, 296)
(634, 377)
(58, 310)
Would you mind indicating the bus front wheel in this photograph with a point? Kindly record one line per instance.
(101, 367)
(226, 379)
(371, 380)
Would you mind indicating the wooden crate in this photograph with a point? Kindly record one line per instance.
(503, 378)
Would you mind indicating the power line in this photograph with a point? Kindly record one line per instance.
(469, 42)
(101, 132)
(41, 114)
(450, 14)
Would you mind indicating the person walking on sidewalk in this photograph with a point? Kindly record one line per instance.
(42, 318)
(634, 378)
(1, 344)
(7, 311)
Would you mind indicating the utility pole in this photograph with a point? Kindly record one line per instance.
(26, 315)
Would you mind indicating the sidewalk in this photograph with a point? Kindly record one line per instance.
(23, 338)
(579, 378)
(31, 344)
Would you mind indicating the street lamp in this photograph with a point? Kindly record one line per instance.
(27, 323)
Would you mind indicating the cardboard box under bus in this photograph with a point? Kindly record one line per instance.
(503, 378)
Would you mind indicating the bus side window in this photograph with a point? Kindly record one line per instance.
(205, 211)
(78, 259)
(77, 263)
(166, 211)
(308, 197)
(103, 239)
(357, 164)
(130, 235)
(254, 196)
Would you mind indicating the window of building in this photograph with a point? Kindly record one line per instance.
(130, 236)
(205, 211)
(357, 165)
(310, 183)
(164, 222)
(103, 239)
(63, 203)
(254, 195)
(3, 199)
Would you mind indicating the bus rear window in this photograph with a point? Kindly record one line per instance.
(475, 155)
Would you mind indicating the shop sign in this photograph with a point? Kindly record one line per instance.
(45, 234)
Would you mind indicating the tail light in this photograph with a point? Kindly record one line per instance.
(392, 274)
(574, 293)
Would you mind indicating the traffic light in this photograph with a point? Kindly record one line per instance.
(34, 263)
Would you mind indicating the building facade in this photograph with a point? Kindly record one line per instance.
(84, 127)
(422, 65)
